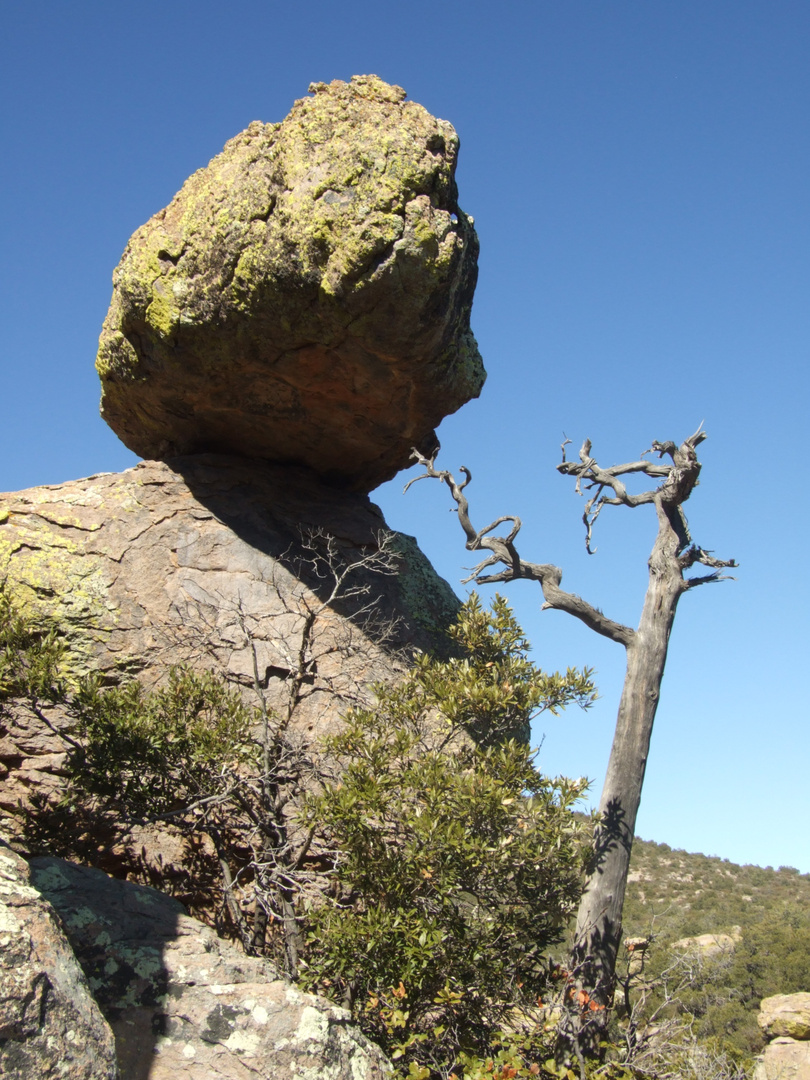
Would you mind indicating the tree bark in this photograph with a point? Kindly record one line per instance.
(599, 919)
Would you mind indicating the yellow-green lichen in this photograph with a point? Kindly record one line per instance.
(54, 580)
(336, 230)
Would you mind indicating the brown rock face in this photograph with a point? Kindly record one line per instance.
(201, 563)
(305, 298)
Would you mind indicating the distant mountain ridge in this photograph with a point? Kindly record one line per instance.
(691, 893)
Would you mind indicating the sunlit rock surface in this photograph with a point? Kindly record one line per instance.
(305, 298)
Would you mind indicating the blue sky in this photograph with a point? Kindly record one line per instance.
(638, 174)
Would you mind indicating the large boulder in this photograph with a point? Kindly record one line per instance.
(305, 298)
(50, 1025)
(185, 1005)
(785, 1015)
(785, 1020)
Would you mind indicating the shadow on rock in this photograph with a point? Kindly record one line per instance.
(271, 508)
(182, 1002)
(119, 933)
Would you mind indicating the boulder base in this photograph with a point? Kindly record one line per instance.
(202, 563)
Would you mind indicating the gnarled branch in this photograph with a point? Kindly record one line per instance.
(503, 551)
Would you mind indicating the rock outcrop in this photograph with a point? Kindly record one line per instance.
(785, 1020)
(785, 1015)
(204, 562)
(709, 946)
(159, 563)
(185, 1005)
(305, 298)
(50, 1024)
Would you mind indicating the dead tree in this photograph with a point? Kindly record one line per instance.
(312, 655)
(599, 921)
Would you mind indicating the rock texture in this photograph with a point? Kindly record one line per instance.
(183, 1004)
(785, 1020)
(202, 562)
(784, 1059)
(785, 1014)
(305, 298)
(50, 1025)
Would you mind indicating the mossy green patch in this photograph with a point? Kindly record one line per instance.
(427, 598)
(53, 579)
(338, 231)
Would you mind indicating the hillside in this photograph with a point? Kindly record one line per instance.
(673, 895)
(691, 894)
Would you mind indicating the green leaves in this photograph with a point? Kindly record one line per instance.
(30, 657)
(447, 864)
(154, 752)
(459, 862)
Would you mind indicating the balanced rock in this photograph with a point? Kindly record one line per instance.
(785, 1020)
(305, 298)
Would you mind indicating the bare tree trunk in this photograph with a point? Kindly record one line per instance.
(588, 994)
(599, 920)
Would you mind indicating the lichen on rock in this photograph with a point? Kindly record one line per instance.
(181, 1002)
(51, 1028)
(305, 298)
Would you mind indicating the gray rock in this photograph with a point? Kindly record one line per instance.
(305, 298)
(50, 1025)
(185, 1005)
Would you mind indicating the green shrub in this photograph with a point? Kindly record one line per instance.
(152, 753)
(30, 657)
(449, 864)
(458, 863)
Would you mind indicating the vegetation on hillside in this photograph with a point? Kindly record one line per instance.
(761, 917)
